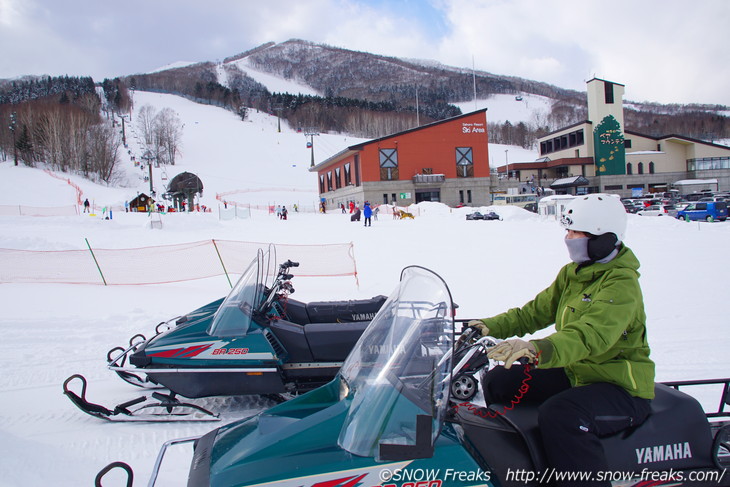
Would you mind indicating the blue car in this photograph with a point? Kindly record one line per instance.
(704, 210)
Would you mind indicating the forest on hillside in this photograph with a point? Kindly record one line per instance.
(58, 120)
(66, 121)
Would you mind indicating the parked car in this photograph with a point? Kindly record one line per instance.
(704, 210)
(531, 207)
(658, 210)
(483, 216)
(631, 207)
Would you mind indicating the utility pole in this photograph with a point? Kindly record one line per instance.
(13, 123)
(474, 79)
(310, 144)
(418, 115)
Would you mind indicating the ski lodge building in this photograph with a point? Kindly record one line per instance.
(448, 161)
(445, 161)
(598, 155)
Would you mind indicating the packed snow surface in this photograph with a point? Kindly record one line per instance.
(51, 331)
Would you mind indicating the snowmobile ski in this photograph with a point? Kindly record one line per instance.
(155, 407)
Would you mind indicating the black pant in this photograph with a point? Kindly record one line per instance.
(571, 419)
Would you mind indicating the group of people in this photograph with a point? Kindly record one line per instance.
(367, 212)
(281, 212)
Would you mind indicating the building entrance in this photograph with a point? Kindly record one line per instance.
(428, 196)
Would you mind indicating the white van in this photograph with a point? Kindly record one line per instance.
(552, 206)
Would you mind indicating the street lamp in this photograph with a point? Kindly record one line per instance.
(506, 159)
(13, 122)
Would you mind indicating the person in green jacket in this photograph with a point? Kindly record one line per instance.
(593, 376)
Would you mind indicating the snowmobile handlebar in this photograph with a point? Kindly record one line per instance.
(286, 265)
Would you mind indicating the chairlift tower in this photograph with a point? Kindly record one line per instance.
(278, 108)
(310, 143)
(148, 158)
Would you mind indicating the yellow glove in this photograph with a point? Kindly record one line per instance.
(479, 326)
(510, 351)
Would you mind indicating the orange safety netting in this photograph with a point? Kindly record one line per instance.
(165, 263)
(21, 210)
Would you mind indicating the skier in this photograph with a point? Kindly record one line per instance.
(283, 212)
(593, 375)
(367, 212)
(86, 205)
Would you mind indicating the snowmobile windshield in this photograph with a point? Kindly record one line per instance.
(400, 368)
(233, 317)
(269, 267)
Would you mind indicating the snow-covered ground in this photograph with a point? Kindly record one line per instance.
(51, 331)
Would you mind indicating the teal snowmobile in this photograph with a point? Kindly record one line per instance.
(387, 420)
(258, 340)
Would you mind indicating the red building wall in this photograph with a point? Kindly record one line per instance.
(432, 147)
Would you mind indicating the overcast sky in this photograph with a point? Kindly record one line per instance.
(668, 51)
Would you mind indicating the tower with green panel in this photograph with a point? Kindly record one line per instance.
(605, 110)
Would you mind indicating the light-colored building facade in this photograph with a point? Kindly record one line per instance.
(614, 160)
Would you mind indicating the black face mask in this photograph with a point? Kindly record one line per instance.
(600, 246)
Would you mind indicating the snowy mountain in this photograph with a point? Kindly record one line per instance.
(397, 87)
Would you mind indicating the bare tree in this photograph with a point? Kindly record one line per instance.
(145, 123)
(103, 149)
(167, 130)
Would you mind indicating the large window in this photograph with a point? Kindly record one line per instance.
(562, 142)
(464, 162)
(338, 179)
(348, 175)
(388, 164)
(608, 90)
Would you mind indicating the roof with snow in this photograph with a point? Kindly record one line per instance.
(569, 182)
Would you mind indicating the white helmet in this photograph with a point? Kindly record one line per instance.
(596, 214)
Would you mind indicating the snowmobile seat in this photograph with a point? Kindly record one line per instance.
(332, 342)
(344, 311)
(676, 436)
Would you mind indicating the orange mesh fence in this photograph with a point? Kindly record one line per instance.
(20, 210)
(314, 260)
(61, 266)
(165, 263)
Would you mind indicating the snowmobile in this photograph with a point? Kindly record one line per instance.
(255, 341)
(387, 420)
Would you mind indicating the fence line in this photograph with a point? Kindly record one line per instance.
(166, 263)
(22, 210)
